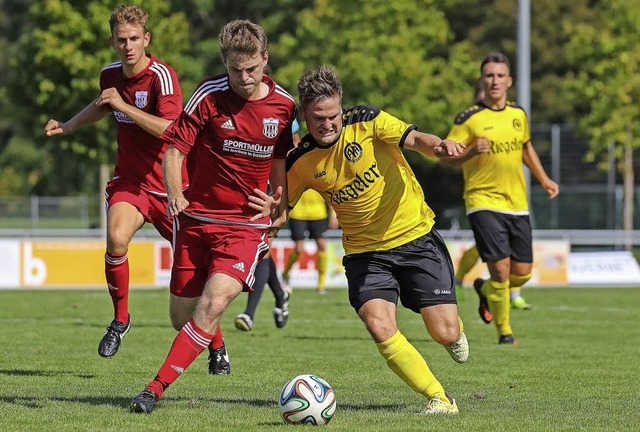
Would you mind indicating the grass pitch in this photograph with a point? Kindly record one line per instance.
(575, 369)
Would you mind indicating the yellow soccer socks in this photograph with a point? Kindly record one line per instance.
(293, 257)
(406, 362)
(322, 269)
(467, 262)
(497, 294)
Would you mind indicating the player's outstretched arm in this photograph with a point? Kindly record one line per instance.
(172, 174)
(432, 146)
(532, 161)
(152, 124)
(90, 114)
(478, 147)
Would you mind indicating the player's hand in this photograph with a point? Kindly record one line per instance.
(277, 223)
(552, 188)
(265, 204)
(449, 148)
(482, 145)
(176, 206)
(54, 127)
(110, 97)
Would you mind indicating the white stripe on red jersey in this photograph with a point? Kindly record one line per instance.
(113, 65)
(203, 90)
(165, 77)
(283, 92)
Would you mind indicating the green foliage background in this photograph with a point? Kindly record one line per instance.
(416, 59)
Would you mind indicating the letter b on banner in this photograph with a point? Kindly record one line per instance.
(34, 269)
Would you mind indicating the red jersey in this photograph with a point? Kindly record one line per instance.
(154, 90)
(235, 141)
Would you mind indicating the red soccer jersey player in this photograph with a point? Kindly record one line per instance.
(144, 96)
(236, 129)
(154, 90)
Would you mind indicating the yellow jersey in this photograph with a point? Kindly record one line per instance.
(367, 181)
(310, 206)
(495, 180)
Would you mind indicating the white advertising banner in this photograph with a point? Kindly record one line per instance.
(603, 268)
(79, 263)
(10, 263)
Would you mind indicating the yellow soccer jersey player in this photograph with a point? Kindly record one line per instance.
(393, 254)
(375, 195)
(311, 206)
(494, 180)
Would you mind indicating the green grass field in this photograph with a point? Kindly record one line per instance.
(576, 368)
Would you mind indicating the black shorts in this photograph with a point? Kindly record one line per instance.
(315, 228)
(420, 273)
(500, 235)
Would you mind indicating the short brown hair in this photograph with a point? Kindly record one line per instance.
(495, 57)
(128, 14)
(242, 37)
(317, 84)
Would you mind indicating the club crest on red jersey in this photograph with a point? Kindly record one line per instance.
(142, 99)
(270, 127)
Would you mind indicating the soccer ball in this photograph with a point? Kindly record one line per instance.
(307, 399)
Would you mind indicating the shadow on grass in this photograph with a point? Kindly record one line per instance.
(122, 402)
(337, 337)
(134, 324)
(354, 338)
(18, 372)
(272, 403)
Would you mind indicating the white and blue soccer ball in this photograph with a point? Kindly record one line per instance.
(307, 399)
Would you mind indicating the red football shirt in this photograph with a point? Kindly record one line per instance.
(235, 141)
(156, 91)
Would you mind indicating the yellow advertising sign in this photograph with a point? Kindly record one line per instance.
(550, 262)
(68, 263)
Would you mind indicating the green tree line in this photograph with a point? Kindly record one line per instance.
(417, 59)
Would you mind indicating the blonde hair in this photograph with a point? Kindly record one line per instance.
(242, 37)
(128, 14)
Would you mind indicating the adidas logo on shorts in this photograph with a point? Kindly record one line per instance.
(239, 266)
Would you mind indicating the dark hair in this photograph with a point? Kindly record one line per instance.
(317, 84)
(495, 57)
(128, 14)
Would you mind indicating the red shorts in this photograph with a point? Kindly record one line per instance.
(152, 207)
(202, 249)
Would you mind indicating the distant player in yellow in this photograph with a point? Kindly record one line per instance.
(471, 256)
(311, 216)
(497, 135)
(352, 157)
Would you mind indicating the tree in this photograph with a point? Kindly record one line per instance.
(55, 74)
(395, 55)
(207, 17)
(493, 27)
(608, 84)
(398, 56)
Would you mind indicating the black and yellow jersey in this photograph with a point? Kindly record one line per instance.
(310, 207)
(495, 180)
(367, 181)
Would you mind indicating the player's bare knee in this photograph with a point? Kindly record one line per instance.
(447, 332)
(117, 241)
(177, 321)
(380, 329)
